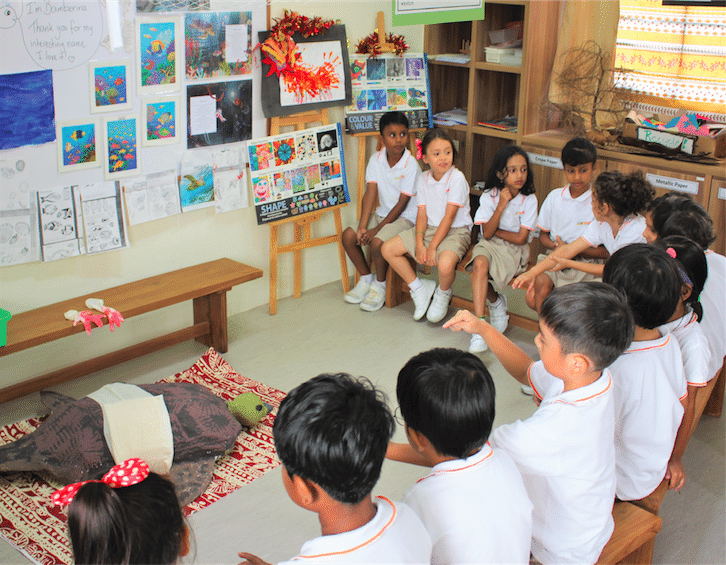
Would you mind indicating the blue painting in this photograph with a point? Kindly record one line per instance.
(157, 53)
(161, 120)
(122, 148)
(110, 85)
(27, 112)
(78, 143)
(197, 186)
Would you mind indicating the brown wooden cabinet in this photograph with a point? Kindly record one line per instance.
(717, 210)
(488, 90)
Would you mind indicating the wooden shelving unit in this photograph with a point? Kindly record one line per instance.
(488, 90)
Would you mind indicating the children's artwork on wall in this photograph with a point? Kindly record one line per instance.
(60, 223)
(121, 152)
(109, 85)
(103, 217)
(196, 187)
(15, 194)
(27, 112)
(151, 197)
(385, 83)
(160, 120)
(217, 44)
(321, 78)
(171, 5)
(230, 189)
(18, 237)
(79, 143)
(157, 64)
(219, 112)
(296, 173)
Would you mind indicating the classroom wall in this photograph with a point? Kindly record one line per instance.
(183, 240)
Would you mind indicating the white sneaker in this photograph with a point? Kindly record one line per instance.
(498, 317)
(439, 306)
(422, 297)
(358, 294)
(477, 344)
(528, 390)
(376, 298)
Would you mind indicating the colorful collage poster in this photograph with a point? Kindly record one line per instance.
(387, 83)
(297, 172)
(218, 44)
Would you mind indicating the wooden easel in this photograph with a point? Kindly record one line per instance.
(302, 237)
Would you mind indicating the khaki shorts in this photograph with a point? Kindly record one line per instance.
(457, 240)
(570, 276)
(506, 260)
(389, 230)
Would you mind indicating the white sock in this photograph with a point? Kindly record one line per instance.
(367, 278)
(382, 283)
(446, 292)
(497, 302)
(415, 284)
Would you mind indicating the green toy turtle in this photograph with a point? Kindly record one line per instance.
(248, 409)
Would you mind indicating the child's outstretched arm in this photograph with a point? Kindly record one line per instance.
(404, 453)
(515, 361)
(592, 268)
(250, 559)
(567, 251)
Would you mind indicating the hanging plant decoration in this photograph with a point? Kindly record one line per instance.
(371, 46)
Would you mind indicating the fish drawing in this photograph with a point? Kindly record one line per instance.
(78, 134)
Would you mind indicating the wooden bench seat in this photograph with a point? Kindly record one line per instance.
(206, 285)
(633, 537)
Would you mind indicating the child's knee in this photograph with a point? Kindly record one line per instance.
(480, 266)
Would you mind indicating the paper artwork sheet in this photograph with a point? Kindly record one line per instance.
(151, 197)
(196, 187)
(218, 44)
(219, 112)
(103, 218)
(18, 237)
(388, 83)
(298, 172)
(314, 56)
(60, 223)
(15, 179)
(230, 189)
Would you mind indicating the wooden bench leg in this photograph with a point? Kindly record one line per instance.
(715, 401)
(641, 556)
(213, 309)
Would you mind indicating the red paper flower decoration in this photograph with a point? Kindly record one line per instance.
(370, 45)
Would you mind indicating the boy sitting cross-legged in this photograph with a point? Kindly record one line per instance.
(473, 502)
(331, 434)
(565, 450)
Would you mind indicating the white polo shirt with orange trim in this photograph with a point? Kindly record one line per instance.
(564, 216)
(714, 309)
(694, 348)
(649, 386)
(437, 195)
(394, 181)
(600, 233)
(520, 211)
(394, 535)
(565, 454)
(476, 510)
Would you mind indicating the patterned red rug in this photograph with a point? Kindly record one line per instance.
(29, 521)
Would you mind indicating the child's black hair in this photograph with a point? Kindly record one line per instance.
(499, 165)
(579, 151)
(589, 318)
(679, 214)
(692, 260)
(448, 396)
(625, 194)
(334, 430)
(139, 524)
(437, 133)
(395, 118)
(650, 280)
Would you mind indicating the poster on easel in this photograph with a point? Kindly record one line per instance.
(297, 172)
(388, 83)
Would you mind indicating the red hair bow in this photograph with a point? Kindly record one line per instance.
(130, 472)
(419, 154)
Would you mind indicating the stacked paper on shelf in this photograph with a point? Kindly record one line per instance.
(455, 117)
(460, 58)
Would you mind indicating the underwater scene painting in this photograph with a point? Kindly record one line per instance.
(233, 114)
(157, 53)
(197, 187)
(78, 144)
(121, 145)
(217, 44)
(161, 120)
(110, 85)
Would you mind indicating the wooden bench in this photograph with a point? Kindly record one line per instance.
(633, 538)
(206, 285)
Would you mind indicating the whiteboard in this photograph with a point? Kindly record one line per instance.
(67, 37)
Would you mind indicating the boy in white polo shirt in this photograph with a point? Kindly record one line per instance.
(391, 178)
(473, 502)
(331, 434)
(565, 449)
(563, 217)
(650, 385)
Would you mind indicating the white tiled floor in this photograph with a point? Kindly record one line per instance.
(319, 333)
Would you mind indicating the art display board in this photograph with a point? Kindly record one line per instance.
(297, 172)
(328, 50)
(385, 83)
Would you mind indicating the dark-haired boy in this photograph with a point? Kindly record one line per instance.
(391, 178)
(565, 450)
(563, 217)
(331, 435)
(473, 502)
